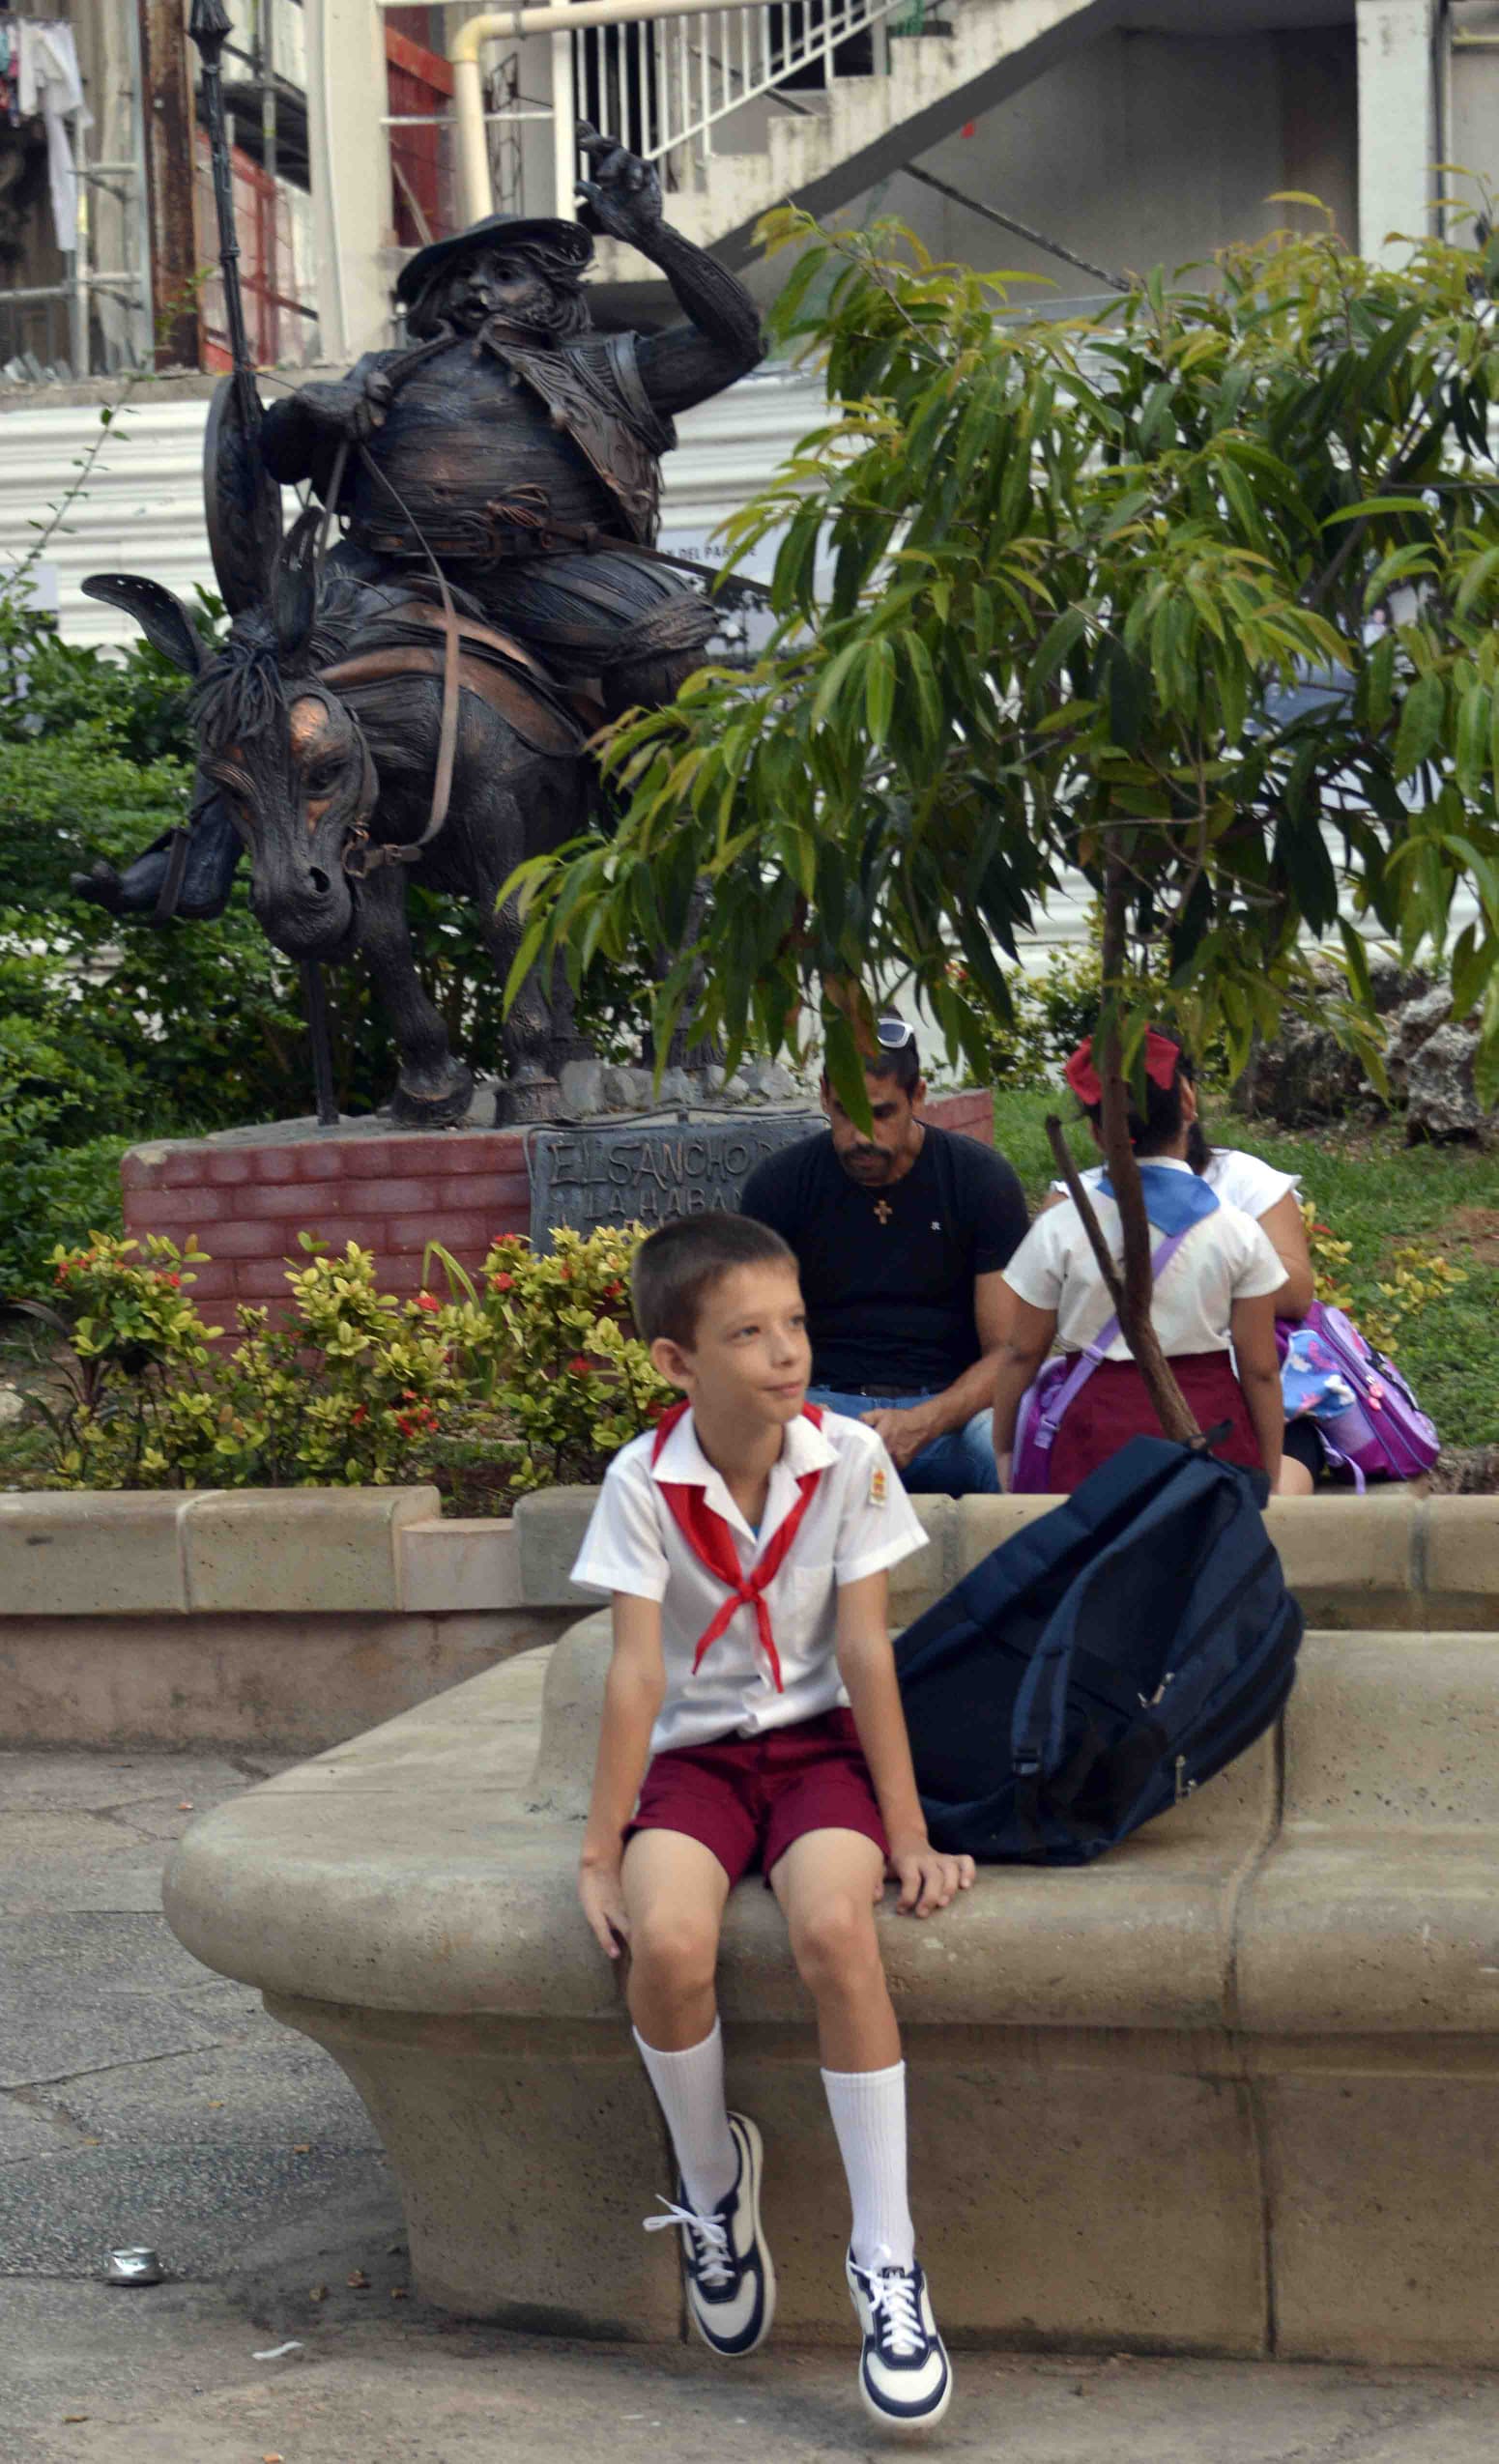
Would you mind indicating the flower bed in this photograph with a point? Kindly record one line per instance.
(484, 1387)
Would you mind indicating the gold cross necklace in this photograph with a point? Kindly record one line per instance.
(884, 1210)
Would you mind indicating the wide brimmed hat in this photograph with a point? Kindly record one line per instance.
(497, 230)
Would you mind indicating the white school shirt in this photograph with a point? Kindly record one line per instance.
(1245, 1180)
(859, 1522)
(1225, 1257)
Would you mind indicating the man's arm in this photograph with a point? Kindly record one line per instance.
(906, 1431)
(633, 1694)
(866, 1664)
(721, 339)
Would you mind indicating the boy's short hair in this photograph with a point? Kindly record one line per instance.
(677, 1267)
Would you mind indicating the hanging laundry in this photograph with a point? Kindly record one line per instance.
(50, 83)
(9, 71)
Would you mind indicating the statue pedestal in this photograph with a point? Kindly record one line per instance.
(247, 1193)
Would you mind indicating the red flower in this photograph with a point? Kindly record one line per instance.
(657, 1411)
(163, 1278)
(428, 1301)
(501, 1282)
(403, 1423)
(614, 1291)
(63, 1273)
(580, 1366)
(565, 1274)
(361, 1412)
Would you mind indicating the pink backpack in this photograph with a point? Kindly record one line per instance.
(1364, 1414)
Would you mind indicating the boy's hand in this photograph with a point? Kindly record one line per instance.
(928, 1878)
(603, 1904)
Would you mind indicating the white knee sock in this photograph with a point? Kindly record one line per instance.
(690, 2086)
(869, 2115)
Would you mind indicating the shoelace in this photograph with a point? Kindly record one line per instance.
(893, 2313)
(711, 2241)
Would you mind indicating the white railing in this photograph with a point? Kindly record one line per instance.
(662, 76)
(685, 75)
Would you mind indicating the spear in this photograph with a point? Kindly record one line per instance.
(210, 26)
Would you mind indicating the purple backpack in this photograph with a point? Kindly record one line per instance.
(1370, 1422)
(1046, 1399)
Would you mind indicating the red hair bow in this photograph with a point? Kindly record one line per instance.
(1163, 1060)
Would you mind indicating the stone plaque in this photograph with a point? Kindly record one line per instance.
(621, 1172)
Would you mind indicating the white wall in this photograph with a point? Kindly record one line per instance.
(1143, 149)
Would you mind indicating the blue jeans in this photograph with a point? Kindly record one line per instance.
(960, 1464)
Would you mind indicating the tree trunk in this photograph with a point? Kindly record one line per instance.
(1131, 1295)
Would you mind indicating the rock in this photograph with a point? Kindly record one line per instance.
(582, 1083)
(627, 1090)
(676, 1088)
(721, 1090)
(777, 1084)
(769, 1082)
(1304, 1074)
(1413, 1022)
(12, 1407)
(1441, 1103)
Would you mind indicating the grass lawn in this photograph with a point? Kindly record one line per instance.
(1377, 1193)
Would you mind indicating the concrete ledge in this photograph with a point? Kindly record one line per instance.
(1235, 2089)
(296, 1550)
(1388, 1560)
(65, 1554)
(153, 1617)
(281, 1618)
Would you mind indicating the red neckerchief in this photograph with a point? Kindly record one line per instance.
(711, 1542)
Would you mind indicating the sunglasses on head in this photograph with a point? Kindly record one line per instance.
(893, 1034)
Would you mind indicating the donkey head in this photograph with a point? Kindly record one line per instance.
(285, 752)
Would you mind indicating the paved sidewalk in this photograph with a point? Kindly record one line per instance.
(142, 2100)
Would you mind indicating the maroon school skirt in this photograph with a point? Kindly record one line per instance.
(1114, 1407)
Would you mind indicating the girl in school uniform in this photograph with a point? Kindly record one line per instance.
(1273, 1198)
(1213, 1311)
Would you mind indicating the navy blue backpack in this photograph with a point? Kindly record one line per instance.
(1101, 1663)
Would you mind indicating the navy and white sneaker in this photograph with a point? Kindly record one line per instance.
(726, 2265)
(904, 2373)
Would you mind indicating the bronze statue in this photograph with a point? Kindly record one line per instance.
(495, 594)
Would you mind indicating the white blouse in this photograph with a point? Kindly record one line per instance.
(1225, 1258)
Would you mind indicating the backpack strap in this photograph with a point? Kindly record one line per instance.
(1092, 1354)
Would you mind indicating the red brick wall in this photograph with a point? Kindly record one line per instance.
(391, 1195)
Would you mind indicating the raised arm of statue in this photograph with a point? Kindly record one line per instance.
(721, 339)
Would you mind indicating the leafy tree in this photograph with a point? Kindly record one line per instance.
(1040, 591)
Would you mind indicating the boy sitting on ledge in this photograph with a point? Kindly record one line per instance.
(746, 1543)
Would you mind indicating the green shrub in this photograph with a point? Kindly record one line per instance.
(530, 1373)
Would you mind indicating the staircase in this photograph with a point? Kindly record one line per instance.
(812, 100)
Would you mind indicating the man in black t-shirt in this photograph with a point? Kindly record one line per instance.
(901, 1235)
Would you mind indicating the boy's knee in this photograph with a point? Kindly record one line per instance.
(834, 1942)
(674, 1948)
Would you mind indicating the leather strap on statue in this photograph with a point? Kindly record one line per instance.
(711, 1542)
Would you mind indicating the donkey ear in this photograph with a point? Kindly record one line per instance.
(293, 584)
(162, 619)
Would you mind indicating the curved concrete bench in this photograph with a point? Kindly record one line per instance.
(1235, 2089)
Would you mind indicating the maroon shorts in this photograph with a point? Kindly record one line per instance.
(748, 1797)
(1115, 1406)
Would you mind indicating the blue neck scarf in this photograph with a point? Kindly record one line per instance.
(1174, 1200)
